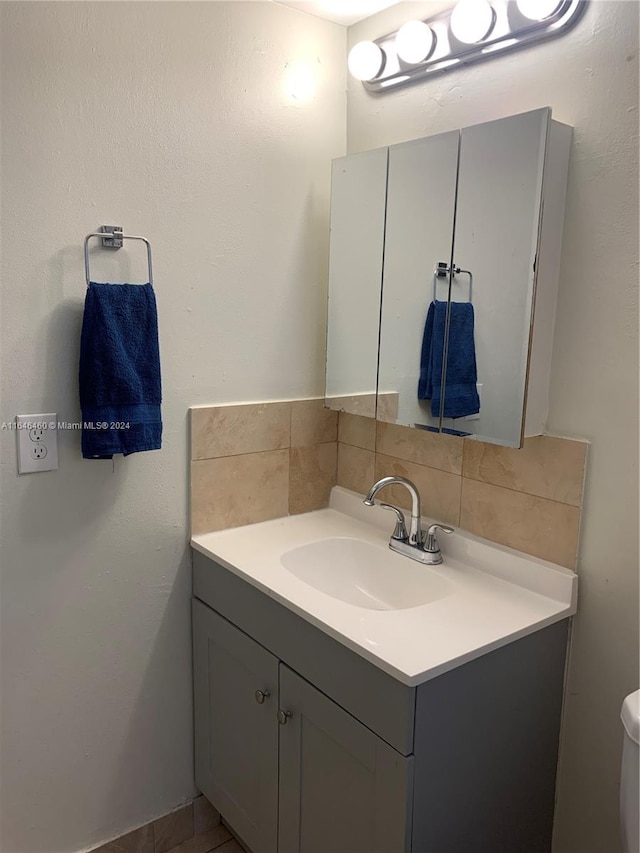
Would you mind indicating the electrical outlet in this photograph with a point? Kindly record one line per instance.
(36, 434)
(37, 441)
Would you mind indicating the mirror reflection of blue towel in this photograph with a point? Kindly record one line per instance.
(461, 398)
(120, 389)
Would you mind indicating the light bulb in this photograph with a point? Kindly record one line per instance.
(472, 21)
(414, 42)
(538, 10)
(366, 60)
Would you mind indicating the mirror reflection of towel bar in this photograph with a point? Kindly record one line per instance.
(112, 237)
(442, 271)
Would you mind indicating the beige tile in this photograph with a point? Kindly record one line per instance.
(312, 474)
(537, 526)
(387, 407)
(356, 468)
(237, 490)
(356, 430)
(205, 816)
(356, 404)
(311, 423)
(231, 430)
(138, 841)
(418, 445)
(173, 829)
(214, 839)
(439, 490)
(546, 466)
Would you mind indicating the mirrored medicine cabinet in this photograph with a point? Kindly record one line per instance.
(443, 278)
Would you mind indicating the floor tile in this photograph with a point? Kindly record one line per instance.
(230, 847)
(173, 829)
(138, 841)
(205, 843)
(205, 816)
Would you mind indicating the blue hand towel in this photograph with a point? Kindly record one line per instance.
(461, 394)
(425, 383)
(120, 390)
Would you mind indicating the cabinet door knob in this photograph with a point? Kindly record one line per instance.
(283, 716)
(261, 695)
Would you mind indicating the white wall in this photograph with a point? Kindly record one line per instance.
(590, 79)
(173, 120)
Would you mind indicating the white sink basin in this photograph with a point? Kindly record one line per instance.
(333, 567)
(363, 574)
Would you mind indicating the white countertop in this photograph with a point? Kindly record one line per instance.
(497, 595)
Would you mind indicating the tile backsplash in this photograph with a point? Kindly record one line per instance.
(528, 499)
(259, 461)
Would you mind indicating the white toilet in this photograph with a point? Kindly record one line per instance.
(629, 782)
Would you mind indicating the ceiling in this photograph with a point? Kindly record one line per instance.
(344, 12)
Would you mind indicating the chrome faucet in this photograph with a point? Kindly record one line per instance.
(414, 544)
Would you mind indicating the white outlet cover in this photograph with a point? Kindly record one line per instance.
(37, 443)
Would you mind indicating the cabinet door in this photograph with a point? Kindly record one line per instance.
(236, 736)
(496, 238)
(358, 198)
(342, 788)
(421, 199)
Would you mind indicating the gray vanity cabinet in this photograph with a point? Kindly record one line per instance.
(341, 757)
(236, 734)
(276, 756)
(332, 765)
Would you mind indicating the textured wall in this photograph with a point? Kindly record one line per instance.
(590, 79)
(176, 121)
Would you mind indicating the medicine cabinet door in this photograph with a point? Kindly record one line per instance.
(496, 239)
(421, 198)
(358, 198)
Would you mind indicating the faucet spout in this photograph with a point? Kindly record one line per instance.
(415, 531)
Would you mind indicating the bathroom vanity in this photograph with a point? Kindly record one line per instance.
(332, 713)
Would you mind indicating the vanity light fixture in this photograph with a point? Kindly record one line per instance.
(366, 60)
(414, 42)
(472, 21)
(538, 10)
(470, 31)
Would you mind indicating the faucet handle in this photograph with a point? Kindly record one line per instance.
(400, 531)
(431, 543)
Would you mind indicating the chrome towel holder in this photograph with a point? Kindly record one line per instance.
(112, 238)
(442, 271)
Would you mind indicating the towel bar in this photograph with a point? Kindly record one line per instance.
(112, 237)
(443, 270)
